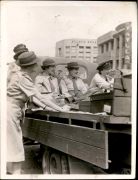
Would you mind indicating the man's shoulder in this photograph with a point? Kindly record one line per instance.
(40, 76)
(66, 79)
(97, 76)
(24, 75)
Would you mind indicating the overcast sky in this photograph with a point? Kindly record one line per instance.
(41, 24)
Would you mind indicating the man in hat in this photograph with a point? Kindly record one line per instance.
(46, 82)
(72, 87)
(13, 67)
(102, 82)
(19, 91)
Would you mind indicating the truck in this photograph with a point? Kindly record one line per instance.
(94, 140)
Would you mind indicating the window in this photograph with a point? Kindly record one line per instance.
(59, 52)
(81, 52)
(88, 47)
(102, 49)
(73, 56)
(67, 47)
(117, 43)
(95, 47)
(81, 57)
(117, 64)
(88, 52)
(123, 43)
(81, 47)
(112, 45)
(123, 62)
(106, 46)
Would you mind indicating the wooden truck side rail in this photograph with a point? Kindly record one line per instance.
(79, 134)
(88, 144)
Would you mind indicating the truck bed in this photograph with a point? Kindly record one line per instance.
(81, 135)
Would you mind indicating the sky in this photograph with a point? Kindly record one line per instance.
(41, 24)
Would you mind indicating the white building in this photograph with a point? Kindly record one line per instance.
(82, 49)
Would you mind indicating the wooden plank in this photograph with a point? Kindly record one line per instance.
(81, 134)
(69, 115)
(88, 153)
(117, 120)
(84, 117)
(121, 106)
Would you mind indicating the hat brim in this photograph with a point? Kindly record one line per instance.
(43, 67)
(29, 64)
(104, 65)
(73, 67)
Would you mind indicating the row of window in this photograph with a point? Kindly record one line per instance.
(81, 47)
(80, 57)
(106, 49)
(82, 41)
(122, 64)
(68, 52)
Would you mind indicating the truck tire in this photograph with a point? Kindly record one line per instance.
(45, 161)
(54, 162)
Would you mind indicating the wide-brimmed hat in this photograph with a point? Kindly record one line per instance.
(72, 65)
(20, 48)
(27, 59)
(47, 63)
(104, 65)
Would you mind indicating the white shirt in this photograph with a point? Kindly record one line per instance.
(101, 82)
(42, 83)
(66, 85)
(12, 68)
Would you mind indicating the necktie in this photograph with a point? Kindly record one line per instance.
(51, 85)
(75, 86)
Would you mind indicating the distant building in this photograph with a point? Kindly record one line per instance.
(81, 49)
(105, 47)
(116, 45)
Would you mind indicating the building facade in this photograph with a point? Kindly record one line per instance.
(81, 49)
(116, 45)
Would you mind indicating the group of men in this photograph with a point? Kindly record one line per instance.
(25, 87)
(70, 87)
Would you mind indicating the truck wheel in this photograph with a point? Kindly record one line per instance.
(45, 162)
(65, 164)
(54, 162)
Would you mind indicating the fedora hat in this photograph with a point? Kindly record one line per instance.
(72, 65)
(104, 65)
(20, 48)
(27, 59)
(48, 62)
